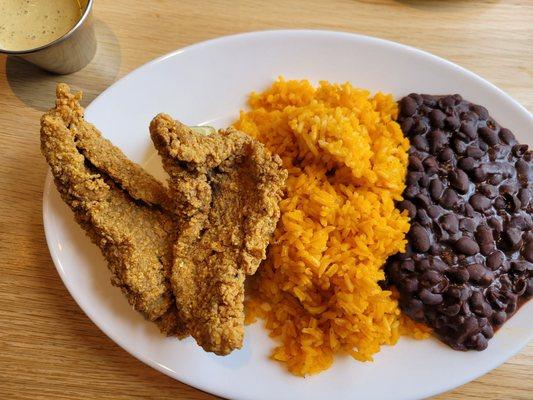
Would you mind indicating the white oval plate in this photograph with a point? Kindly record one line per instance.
(209, 83)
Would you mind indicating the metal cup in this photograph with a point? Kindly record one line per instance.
(71, 52)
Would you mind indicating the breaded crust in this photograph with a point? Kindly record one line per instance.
(119, 206)
(227, 187)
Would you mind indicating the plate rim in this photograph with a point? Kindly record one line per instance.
(48, 184)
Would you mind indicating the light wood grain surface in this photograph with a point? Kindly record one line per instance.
(48, 347)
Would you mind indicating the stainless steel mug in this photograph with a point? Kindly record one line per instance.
(69, 53)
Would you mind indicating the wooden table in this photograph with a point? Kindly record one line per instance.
(48, 347)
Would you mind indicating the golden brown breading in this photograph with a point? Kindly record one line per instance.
(118, 205)
(104, 155)
(227, 187)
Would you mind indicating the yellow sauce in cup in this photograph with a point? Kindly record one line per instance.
(28, 24)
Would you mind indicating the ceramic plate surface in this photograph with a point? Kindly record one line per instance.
(208, 83)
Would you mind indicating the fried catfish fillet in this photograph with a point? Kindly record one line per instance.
(118, 204)
(226, 187)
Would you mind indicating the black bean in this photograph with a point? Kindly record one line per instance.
(423, 218)
(415, 164)
(445, 155)
(413, 177)
(474, 152)
(431, 277)
(487, 279)
(480, 111)
(450, 222)
(485, 239)
(417, 97)
(467, 224)
(499, 203)
(435, 189)
(430, 165)
(419, 127)
(495, 179)
(470, 325)
(507, 136)
(408, 106)
(453, 292)
(458, 98)
(420, 142)
(419, 238)
(479, 342)
(410, 285)
(436, 117)
(459, 145)
(478, 174)
(495, 224)
(469, 129)
(421, 200)
(495, 260)
(410, 207)
(451, 122)
(467, 246)
(488, 135)
(452, 310)
(434, 212)
(466, 164)
(459, 180)
(479, 305)
(415, 309)
(446, 102)
(477, 272)
(406, 125)
(429, 100)
(488, 190)
(487, 331)
(438, 265)
(480, 202)
(430, 298)
(437, 140)
(449, 199)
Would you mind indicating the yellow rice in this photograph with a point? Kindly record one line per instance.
(318, 291)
